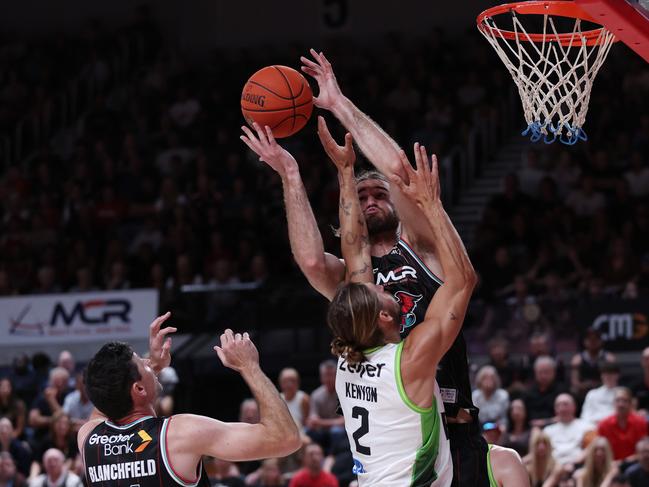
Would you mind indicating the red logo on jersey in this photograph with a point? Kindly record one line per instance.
(408, 304)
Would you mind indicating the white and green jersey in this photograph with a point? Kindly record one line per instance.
(394, 442)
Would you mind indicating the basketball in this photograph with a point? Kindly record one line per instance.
(277, 96)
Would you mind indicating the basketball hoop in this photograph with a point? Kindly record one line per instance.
(554, 71)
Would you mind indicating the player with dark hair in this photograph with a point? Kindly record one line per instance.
(125, 443)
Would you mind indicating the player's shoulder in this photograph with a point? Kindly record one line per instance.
(86, 429)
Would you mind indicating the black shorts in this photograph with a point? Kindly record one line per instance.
(470, 455)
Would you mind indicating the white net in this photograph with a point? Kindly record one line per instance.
(554, 76)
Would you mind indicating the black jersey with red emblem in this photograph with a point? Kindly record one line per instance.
(133, 455)
(403, 274)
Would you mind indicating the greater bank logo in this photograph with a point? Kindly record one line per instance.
(121, 444)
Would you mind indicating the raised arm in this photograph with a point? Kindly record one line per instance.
(354, 241)
(442, 322)
(276, 434)
(323, 271)
(378, 147)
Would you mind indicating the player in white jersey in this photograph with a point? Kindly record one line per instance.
(387, 388)
(390, 399)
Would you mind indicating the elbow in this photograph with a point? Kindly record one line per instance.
(464, 281)
(293, 442)
(312, 265)
(287, 442)
(471, 278)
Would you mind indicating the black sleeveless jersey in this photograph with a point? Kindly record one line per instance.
(133, 455)
(403, 274)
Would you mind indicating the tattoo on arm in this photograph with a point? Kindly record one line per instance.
(351, 238)
(359, 272)
(453, 317)
(345, 206)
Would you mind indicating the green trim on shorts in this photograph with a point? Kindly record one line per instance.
(492, 479)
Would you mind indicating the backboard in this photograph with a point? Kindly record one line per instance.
(627, 19)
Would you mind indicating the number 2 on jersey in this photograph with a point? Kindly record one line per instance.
(364, 428)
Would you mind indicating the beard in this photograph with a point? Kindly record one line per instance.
(380, 223)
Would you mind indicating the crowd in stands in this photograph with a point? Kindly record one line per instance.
(573, 425)
(156, 190)
(570, 225)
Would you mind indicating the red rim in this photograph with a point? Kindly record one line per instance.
(559, 8)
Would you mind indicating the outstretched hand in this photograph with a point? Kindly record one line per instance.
(237, 351)
(422, 183)
(342, 156)
(160, 343)
(266, 147)
(320, 69)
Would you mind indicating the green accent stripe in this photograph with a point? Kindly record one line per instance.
(367, 351)
(492, 479)
(423, 472)
(402, 391)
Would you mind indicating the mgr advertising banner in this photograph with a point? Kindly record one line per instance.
(624, 324)
(75, 318)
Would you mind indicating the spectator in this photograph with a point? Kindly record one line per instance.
(66, 361)
(296, 399)
(624, 428)
(638, 474)
(540, 397)
(586, 201)
(598, 466)
(640, 386)
(567, 434)
(12, 407)
(600, 402)
(168, 378)
(77, 405)
(540, 345)
(56, 473)
(540, 462)
(23, 379)
(270, 475)
(312, 475)
(508, 370)
(620, 480)
(222, 473)
(185, 110)
(518, 431)
(9, 476)
(637, 176)
(324, 425)
(489, 397)
(341, 462)
(61, 437)
(48, 402)
(19, 451)
(585, 374)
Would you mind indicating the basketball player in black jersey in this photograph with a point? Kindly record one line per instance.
(411, 276)
(125, 444)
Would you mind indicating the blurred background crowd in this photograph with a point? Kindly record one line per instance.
(152, 188)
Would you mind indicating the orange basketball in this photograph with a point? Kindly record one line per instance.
(277, 96)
